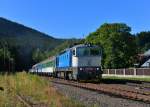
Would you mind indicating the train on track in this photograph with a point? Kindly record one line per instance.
(80, 62)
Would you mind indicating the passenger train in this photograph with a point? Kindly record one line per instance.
(81, 62)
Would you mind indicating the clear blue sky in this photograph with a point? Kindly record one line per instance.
(75, 18)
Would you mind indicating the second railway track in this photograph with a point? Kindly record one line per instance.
(123, 91)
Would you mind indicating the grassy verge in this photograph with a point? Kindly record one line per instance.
(37, 90)
(126, 78)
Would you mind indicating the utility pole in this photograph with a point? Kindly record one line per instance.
(11, 64)
(4, 44)
(84, 38)
(3, 47)
(4, 57)
(83, 35)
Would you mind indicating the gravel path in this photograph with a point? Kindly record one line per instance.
(90, 98)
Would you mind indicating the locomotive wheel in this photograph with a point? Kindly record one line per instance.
(70, 75)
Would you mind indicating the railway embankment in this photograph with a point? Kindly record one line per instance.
(25, 90)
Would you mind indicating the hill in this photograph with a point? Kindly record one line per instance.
(22, 41)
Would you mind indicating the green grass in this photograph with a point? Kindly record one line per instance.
(35, 88)
(147, 79)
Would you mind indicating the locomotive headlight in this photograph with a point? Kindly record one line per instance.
(97, 68)
(81, 69)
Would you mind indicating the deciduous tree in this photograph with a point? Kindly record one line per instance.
(119, 47)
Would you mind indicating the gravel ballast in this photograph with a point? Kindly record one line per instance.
(96, 99)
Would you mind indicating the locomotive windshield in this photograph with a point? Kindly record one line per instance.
(86, 51)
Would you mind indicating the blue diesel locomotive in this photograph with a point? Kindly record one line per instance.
(81, 62)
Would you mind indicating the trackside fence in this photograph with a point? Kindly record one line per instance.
(140, 72)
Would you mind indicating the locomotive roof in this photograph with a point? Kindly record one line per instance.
(84, 45)
(78, 46)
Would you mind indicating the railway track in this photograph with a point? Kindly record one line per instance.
(123, 91)
(18, 96)
(26, 100)
(143, 85)
(23, 100)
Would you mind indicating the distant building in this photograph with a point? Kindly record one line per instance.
(146, 63)
(147, 53)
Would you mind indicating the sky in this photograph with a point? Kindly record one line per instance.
(76, 18)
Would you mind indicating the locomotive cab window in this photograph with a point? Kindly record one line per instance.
(94, 51)
(88, 51)
(83, 52)
(74, 53)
